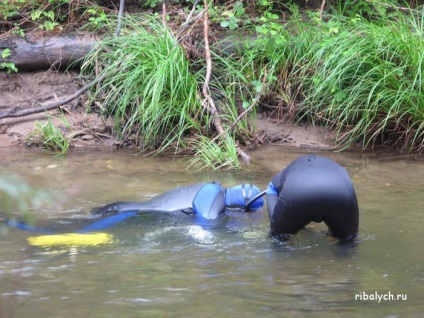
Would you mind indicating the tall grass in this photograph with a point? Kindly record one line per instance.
(362, 77)
(149, 88)
(366, 79)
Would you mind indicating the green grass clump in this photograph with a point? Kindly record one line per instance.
(149, 88)
(216, 154)
(361, 76)
(366, 78)
(46, 134)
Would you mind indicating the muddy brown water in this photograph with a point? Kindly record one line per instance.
(168, 266)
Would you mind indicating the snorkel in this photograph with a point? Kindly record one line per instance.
(244, 197)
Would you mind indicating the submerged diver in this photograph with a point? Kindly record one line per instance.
(313, 188)
(205, 200)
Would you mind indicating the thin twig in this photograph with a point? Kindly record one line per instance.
(245, 112)
(205, 90)
(190, 21)
(120, 13)
(253, 104)
(163, 13)
(49, 106)
(321, 11)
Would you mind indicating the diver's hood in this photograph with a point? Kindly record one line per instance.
(239, 195)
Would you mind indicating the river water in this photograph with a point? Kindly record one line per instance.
(168, 266)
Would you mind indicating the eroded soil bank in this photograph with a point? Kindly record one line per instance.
(87, 129)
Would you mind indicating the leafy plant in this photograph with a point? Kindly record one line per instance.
(9, 8)
(47, 135)
(46, 14)
(150, 3)
(98, 17)
(9, 66)
(45, 19)
(235, 17)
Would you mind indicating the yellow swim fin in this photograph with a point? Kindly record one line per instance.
(71, 239)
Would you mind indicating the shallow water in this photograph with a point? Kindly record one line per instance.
(168, 266)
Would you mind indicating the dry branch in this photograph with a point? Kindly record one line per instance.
(206, 92)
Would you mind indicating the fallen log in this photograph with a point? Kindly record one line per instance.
(60, 51)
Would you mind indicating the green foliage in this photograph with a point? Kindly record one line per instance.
(360, 71)
(49, 15)
(362, 77)
(9, 8)
(45, 19)
(10, 67)
(370, 9)
(234, 17)
(97, 17)
(150, 3)
(235, 84)
(149, 87)
(5, 53)
(47, 135)
(365, 78)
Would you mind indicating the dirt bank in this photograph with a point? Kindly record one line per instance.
(27, 90)
(20, 91)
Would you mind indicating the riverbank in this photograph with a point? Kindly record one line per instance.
(20, 91)
(180, 91)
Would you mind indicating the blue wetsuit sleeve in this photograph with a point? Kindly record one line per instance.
(26, 227)
(107, 222)
(209, 201)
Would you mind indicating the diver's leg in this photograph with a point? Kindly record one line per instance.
(117, 207)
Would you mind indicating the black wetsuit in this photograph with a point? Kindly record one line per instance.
(313, 188)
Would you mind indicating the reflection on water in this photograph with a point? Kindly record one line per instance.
(169, 266)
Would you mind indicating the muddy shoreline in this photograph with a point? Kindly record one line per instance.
(28, 89)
